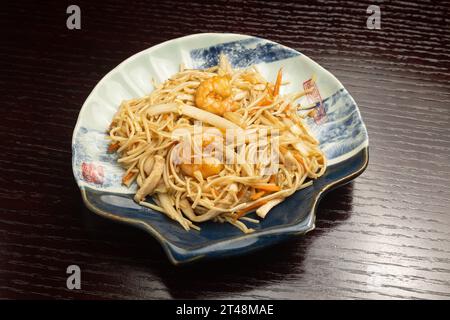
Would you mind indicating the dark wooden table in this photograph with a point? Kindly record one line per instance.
(385, 235)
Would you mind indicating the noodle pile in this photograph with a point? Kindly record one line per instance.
(144, 133)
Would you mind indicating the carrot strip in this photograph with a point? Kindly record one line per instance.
(267, 100)
(127, 177)
(240, 193)
(276, 89)
(272, 179)
(267, 187)
(113, 124)
(254, 206)
(113, 147)
(257, 195)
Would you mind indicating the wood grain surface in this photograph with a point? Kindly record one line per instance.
(385, 235)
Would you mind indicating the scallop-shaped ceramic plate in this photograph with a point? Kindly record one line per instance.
(338, 126)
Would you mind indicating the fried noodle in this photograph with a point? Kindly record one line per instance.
(204, 187)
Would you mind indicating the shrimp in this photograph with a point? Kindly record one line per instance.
(214, 95)
(208, 167)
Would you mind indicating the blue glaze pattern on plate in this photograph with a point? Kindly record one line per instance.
(242, 53)
(343, 130)
(342, 136)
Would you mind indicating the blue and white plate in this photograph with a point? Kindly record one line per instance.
(342, 135)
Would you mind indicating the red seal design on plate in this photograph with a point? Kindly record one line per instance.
(92, 173)
(314, 97)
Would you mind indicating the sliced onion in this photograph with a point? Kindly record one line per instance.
(192, 112)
